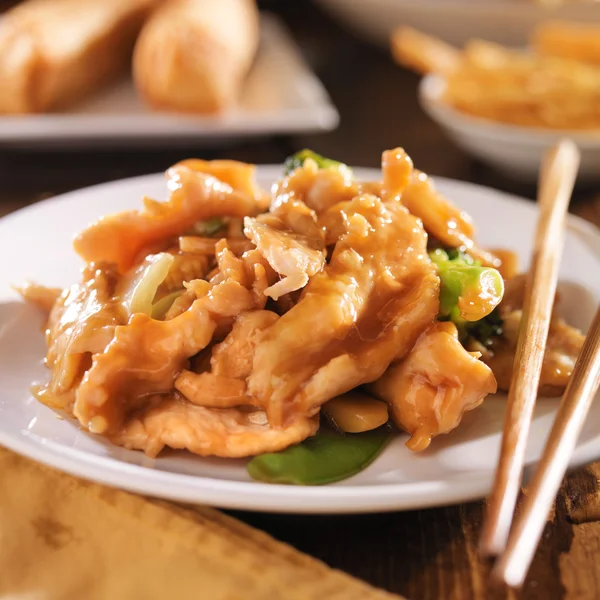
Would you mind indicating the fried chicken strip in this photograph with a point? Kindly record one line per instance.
(231, 362)
(145, 355)
(239, 175)
(364, 310)
(450, 225)
(234, 355)
(224, 385)
(291, 242)
(226, 432)
(210, 390)
(194, 196)
(429, 391)
(143, 358)
(81, 322)
(318, 188)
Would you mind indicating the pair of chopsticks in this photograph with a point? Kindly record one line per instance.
(516, 546)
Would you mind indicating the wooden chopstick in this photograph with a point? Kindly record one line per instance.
(513, 564)
(556, 181)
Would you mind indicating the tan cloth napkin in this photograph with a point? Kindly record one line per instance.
(64, 538)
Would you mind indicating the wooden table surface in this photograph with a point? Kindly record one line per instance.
(426, 554)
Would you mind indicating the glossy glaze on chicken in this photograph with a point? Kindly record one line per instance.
(222, 320)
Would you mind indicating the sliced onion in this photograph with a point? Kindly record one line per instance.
(138, 288)
(162, 306)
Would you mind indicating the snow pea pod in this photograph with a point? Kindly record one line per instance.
(324, 458)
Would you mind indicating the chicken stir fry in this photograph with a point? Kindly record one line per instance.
(222, 320)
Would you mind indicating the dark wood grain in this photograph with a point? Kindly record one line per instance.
(424, 555)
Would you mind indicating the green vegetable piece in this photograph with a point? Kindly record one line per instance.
(160, 307)
(486, 330)
(137, 288)
(210, 227)
(469, 292)
(297, 160)
(459, 255)
(324, 458)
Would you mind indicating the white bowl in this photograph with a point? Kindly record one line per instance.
(456, 21)
(514, 150)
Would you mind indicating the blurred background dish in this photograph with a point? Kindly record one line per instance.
(503, 21)
(506, 106)
(279, 95)
(193, 56)
(53, 53)
(515, 151)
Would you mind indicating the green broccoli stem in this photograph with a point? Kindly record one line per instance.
(299, 158)
(210, 227)
(469, 294)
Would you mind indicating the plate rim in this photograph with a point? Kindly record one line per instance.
(257, 496)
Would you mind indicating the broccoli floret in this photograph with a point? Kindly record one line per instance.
(456, 254)
(484, 330)
(469, 294)
(297, 160)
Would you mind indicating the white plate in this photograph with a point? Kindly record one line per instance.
(516, 151)
(281, 95)
(456, 21)
(35, 243)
